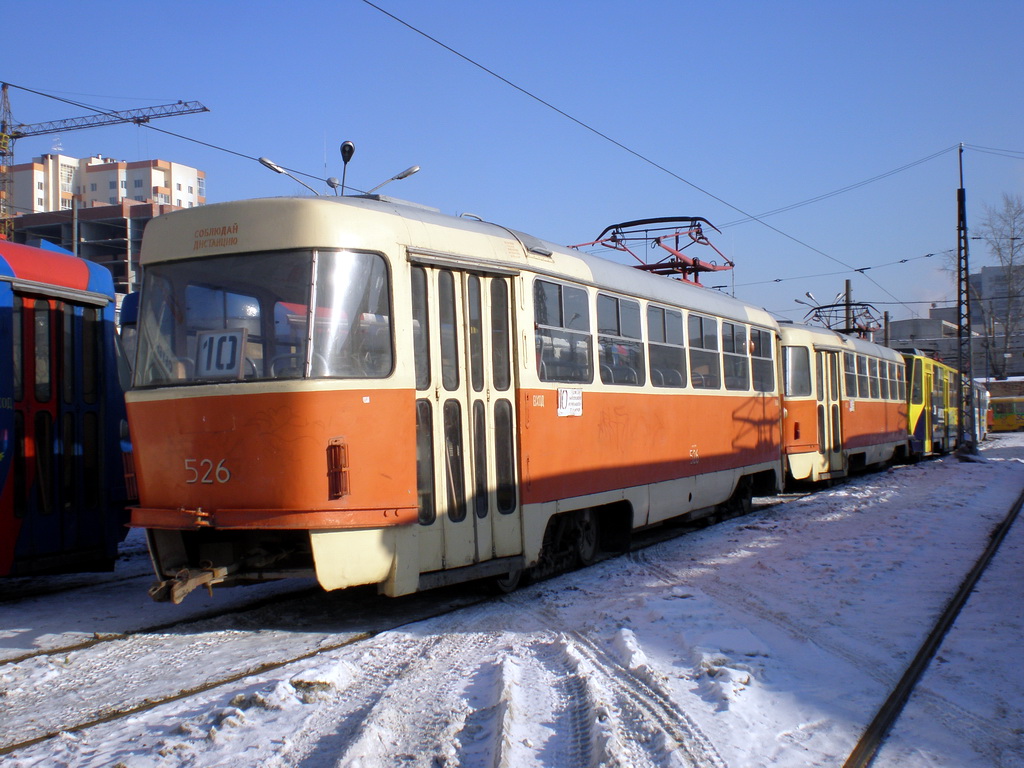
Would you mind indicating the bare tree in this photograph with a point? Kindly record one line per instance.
(1002, 299)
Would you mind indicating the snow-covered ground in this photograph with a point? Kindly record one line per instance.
(768, 640)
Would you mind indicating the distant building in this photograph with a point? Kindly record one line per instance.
(110, 235)
(53, 183)
(98, 208)
(991, 297)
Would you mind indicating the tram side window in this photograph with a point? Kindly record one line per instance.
(68, 368)
(562, 318)
(450, 368)
(917, 385)
(504, 457)
(901, 379)
(425, 462)
(705, 362)
(18, 350)
(476, 334)
(734, 352)
(666, 347)
(863, 382)
(761, 360)
(619, 343)
(420, 328)
(500, 358)
(43, 385)
(92, 354)
(873, 377)
(850, 370)
(796, 371)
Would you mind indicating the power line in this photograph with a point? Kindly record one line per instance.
(638, 155)
(860, 270)
(847, 188)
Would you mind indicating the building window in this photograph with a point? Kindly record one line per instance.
(190, 190)
(67, 174)
(39, 202)
(39, 186)
(65, 204)
(178, 202)
(113, 185)
(138, 183)
(92, 187)
(124, 183)
(202, 187)
(179, 187)
(113, 200)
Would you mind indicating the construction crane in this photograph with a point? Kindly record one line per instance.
(11, 131)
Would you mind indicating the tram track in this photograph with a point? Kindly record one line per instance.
(637, 700)
(161, 627)
(874, 734)
(134, 690)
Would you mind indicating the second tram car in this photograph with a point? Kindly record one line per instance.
(62, 486)
(375, 393)
(845, 403)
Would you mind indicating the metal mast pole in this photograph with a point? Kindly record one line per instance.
(965, 394)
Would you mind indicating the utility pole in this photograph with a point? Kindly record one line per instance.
(965, 393)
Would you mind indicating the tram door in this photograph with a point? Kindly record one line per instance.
(830, 433)
(57, 351)
(930, 414)
(465, 417)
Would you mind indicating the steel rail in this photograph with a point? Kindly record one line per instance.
(874, 735)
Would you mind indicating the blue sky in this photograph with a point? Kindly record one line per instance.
(745, 106)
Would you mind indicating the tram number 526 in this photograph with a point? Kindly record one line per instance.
(204, 471)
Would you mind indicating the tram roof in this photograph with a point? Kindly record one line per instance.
(374, 222)
(29, 265)
(826, 338)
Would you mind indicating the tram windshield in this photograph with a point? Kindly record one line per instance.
(249, 317)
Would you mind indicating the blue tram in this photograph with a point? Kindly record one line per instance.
(63, 493)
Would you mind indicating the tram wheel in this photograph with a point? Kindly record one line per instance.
(588, 536)
(509, 582)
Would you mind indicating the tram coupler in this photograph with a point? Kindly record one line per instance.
(175, 590)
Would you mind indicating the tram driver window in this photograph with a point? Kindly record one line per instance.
(796, 371)
(352, 336)
(562, 320)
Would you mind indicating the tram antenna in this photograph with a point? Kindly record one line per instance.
(268, 163)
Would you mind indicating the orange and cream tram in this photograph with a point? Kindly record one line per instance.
(845, 403)
(375, 393)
